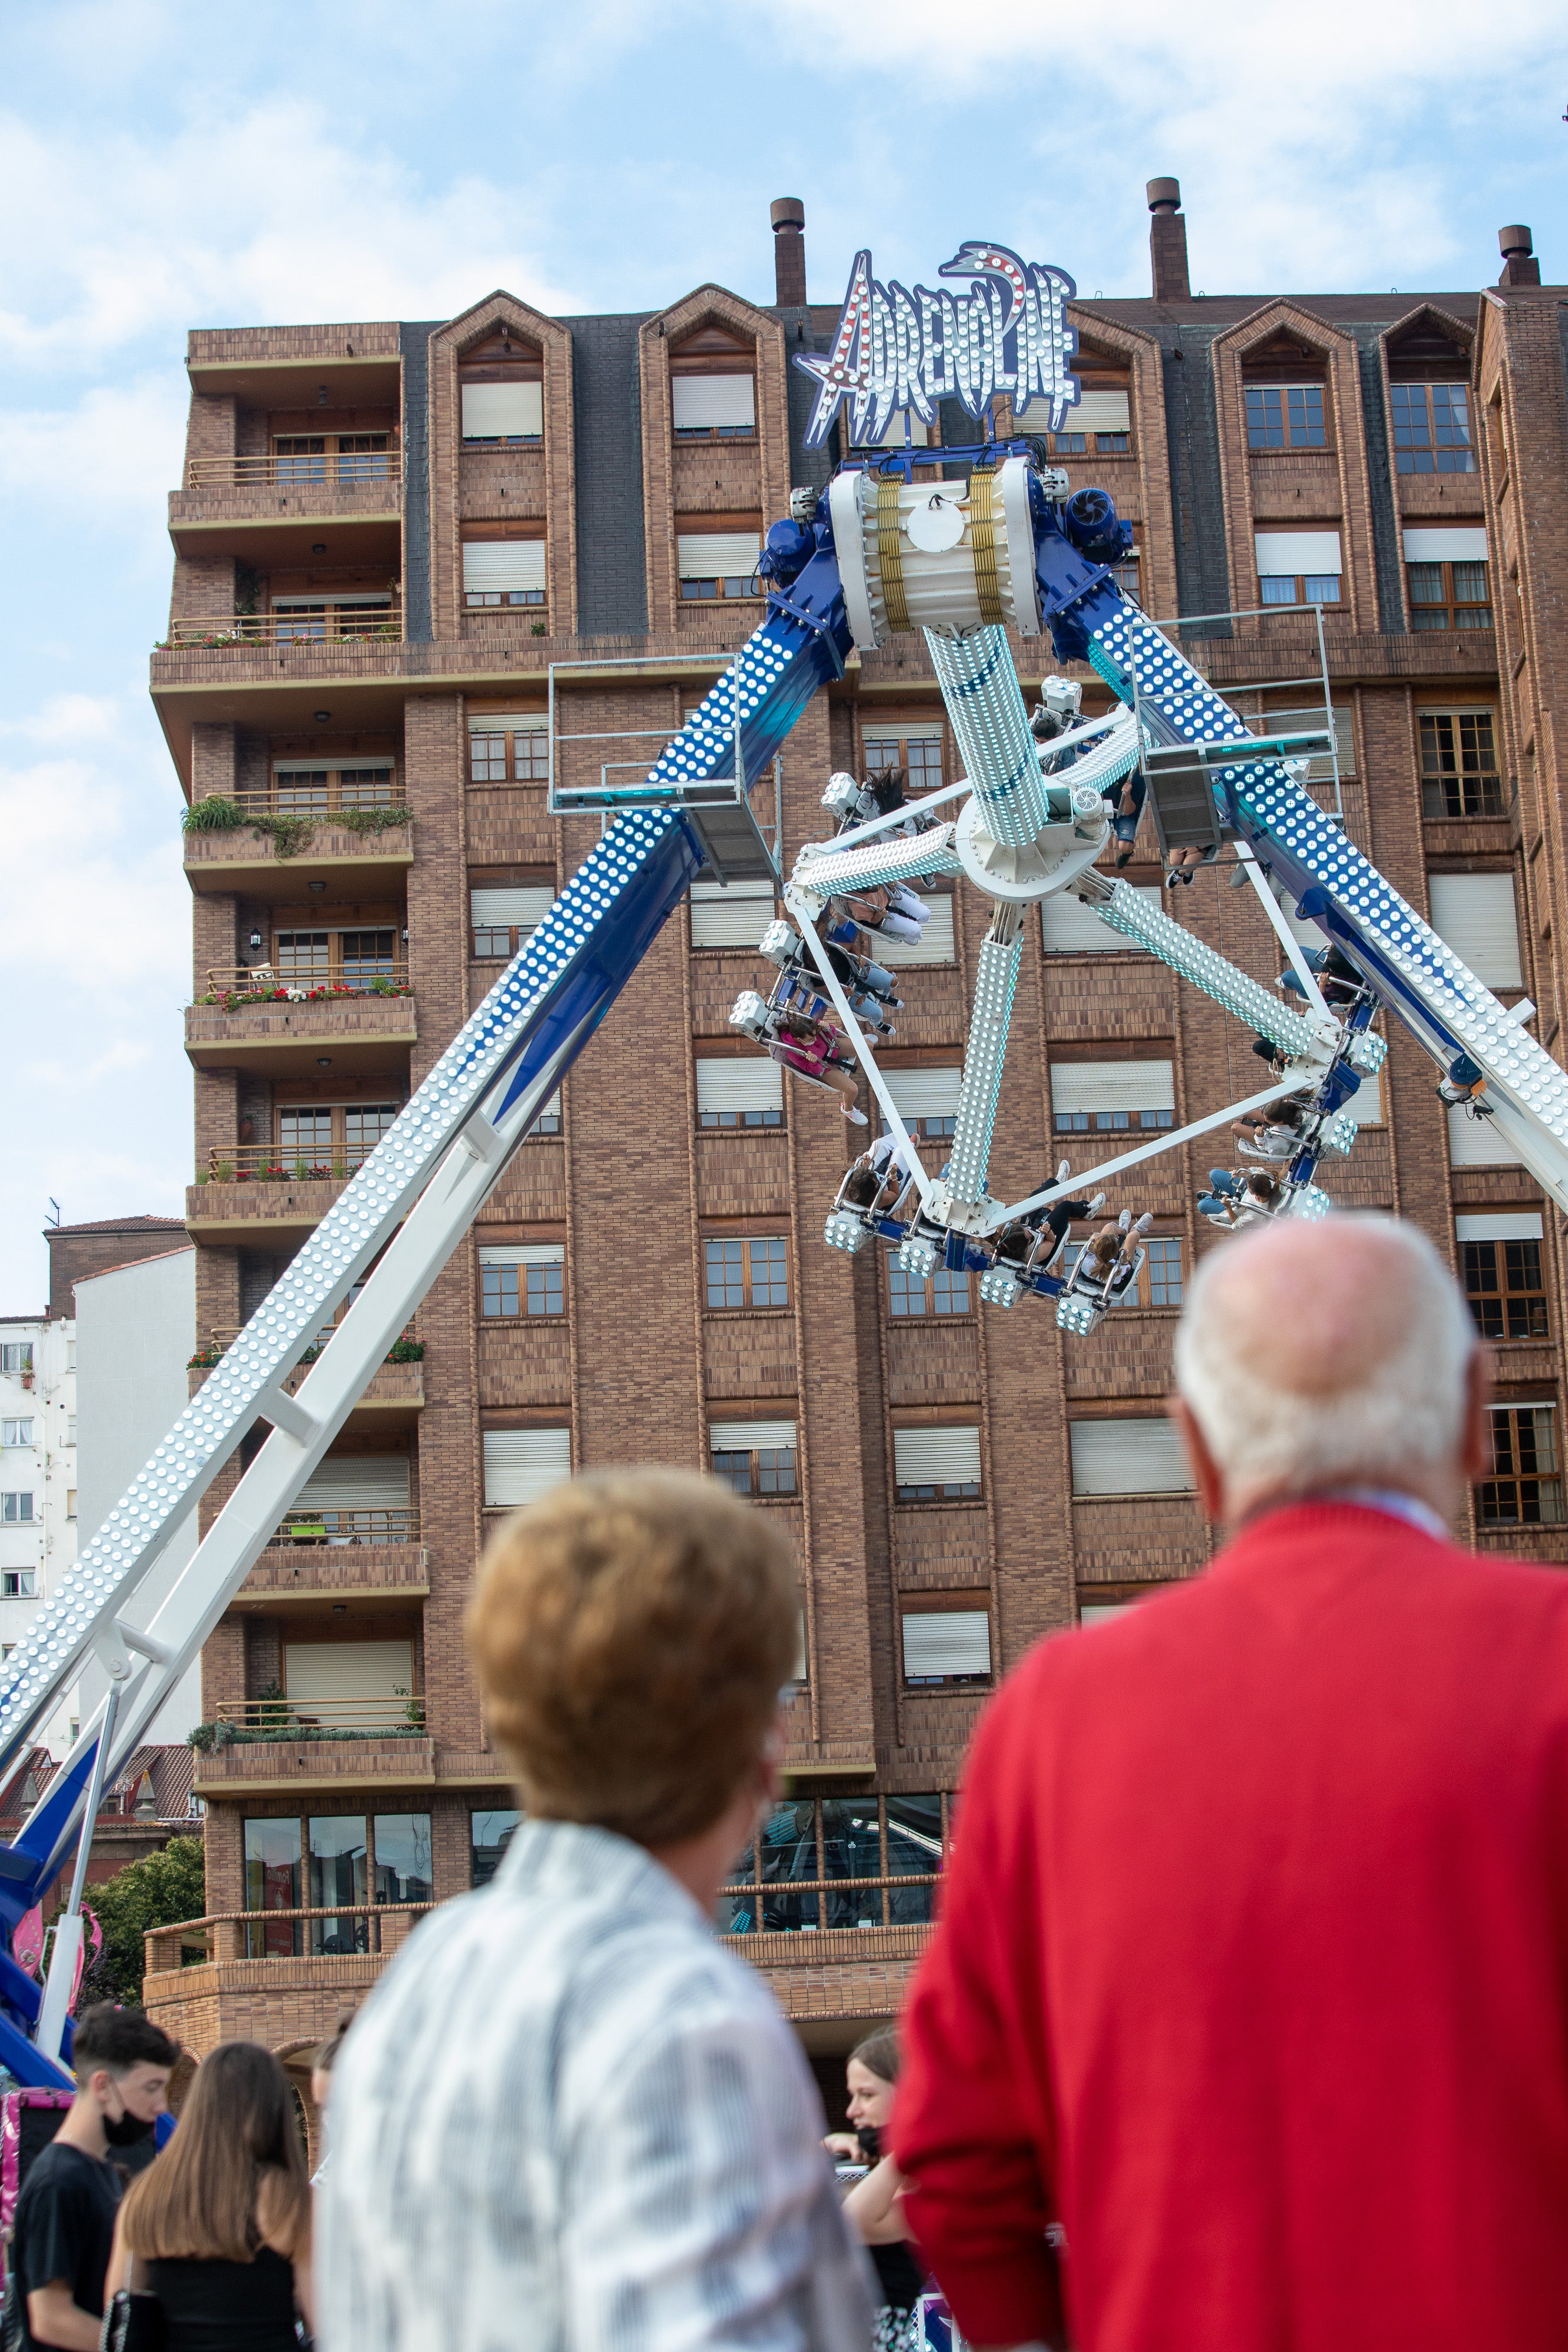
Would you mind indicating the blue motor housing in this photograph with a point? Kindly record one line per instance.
(788, 549)
(1090, 522)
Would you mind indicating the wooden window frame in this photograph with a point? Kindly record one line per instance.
(1435, 779)
(1283, 389)
(513, 737)
(816, 1895)
(340, 1151)
(1407, 454)
(748, 1303)
(525, 1311)
(1112, 1122)
(1528, 1511)
(1450, 606)
(1523, 1255)
(1299, 584)
(911, 734)
(758, 1470)
(927, 1290)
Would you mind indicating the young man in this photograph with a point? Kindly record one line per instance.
(566, 2116)
(64, 2216)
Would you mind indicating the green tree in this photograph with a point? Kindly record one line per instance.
(155, 1892)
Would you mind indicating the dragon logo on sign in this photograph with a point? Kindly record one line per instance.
(1008, 332)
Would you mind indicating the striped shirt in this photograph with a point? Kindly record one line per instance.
(568, 2118)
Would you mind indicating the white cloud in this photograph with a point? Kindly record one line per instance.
(118, 448)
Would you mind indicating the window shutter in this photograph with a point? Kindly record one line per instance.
(947, 1641)
(935, 944)
(1446, 546)
(502, 722)
(1113, 1086)
(314, 1672)
(937, 1457)
(526, 906)
(1475, 914)
(924, 1094)
(1501, 1225)
(520, 1464)
(1068, 928)
(321, 597)
(749, 1437)
(502, 411)
(718, 554)
(490, 563)
(1476, 1143)
(737, 1084)
(522, 1253)
(356, 1482)
(701, 401)
(735, 916)
(1291, 552)
(1128, 1457)
(894, 436)
(1093, 412)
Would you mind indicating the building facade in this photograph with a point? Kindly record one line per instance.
(389, 538)
(37, 1483)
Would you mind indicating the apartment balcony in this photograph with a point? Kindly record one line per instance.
(256, 1762)
(394, 1394)
(254, 1193)
(249, 1017)
(227, 504)
(330, 623)
(384, 1564)
(261, 843)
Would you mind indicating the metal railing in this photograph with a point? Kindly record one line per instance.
(397, 1712)
(264, 984)
(332, 1929)
(337, 1528)
(331, 798)
(311, 469)
(268, 1164)
(322, 624)
(790, 1906)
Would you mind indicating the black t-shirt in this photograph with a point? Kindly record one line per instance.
(64, 2229)
(898, 2269)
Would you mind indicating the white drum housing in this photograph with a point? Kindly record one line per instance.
(941, 555)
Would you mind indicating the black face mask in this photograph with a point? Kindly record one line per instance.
(126, 2130)
(870, 2139)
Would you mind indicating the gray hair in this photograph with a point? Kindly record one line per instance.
(1405, 1411)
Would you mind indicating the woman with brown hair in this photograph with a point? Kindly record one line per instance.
(875, 2205)
(219, 2228)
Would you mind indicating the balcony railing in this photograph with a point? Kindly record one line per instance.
(792, 1906)
(312, 469)
(398, 1715)
(283, 1934)
(335, 1528)
(235, 986)
(268, 1164)
(332, 796)
(300, 626)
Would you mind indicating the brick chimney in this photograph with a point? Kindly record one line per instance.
(1519, 266)
(1167, 242)
(789, 218)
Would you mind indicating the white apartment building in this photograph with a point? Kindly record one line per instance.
(37, 1479)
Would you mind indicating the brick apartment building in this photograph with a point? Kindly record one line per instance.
(386, 535)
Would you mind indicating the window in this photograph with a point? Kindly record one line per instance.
(1458, 765)
(273, 1871)
(324, 456)
(508, 746)
(1285, 417)
(942, 1292)
(1524, 1488)
(357, 1497)
(17, 1584)
(300, 457)
(20, 1433)
(915, 746)
(800, 1873)
(489, 1835)
(1501, 1255)
(737, 1092)
(504, 413)
(70, 1502)
(717, 562)
(926, 1100)
(17, 1356)
(1162, 1276)
(338, 1873)
(946, 1646)
(502, 917)
(1446, 575)
(732, 916)
(1112, 1097)
(1125, 575)
(1128, 1457)
(1100, 420)
(548, 1119)
(70, 1429)
(16, 1510)
(747, 1272)
(328, 1141)
(362, 457)
(1432, 428)
(714, 407)
(1298, 567)
(1475, 915)
(935, 944)
(314, 620)
(402, 1862)
(503, 571)
(936, 1466)
(521, 1464)
(755, 1457)
(325, 792)
(1476, 1142)
(522, 1279)
(1069, 928)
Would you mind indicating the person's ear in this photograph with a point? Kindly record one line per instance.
(1476, 1457)
(1208, 1476)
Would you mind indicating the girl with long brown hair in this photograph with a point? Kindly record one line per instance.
(219, 2228)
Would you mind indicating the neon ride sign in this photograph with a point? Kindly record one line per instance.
(1007, 332)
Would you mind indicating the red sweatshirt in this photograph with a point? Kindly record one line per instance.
(1252, 1967)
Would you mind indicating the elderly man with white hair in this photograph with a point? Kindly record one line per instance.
(1245, 2026)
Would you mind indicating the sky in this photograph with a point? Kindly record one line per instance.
(164, 168)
